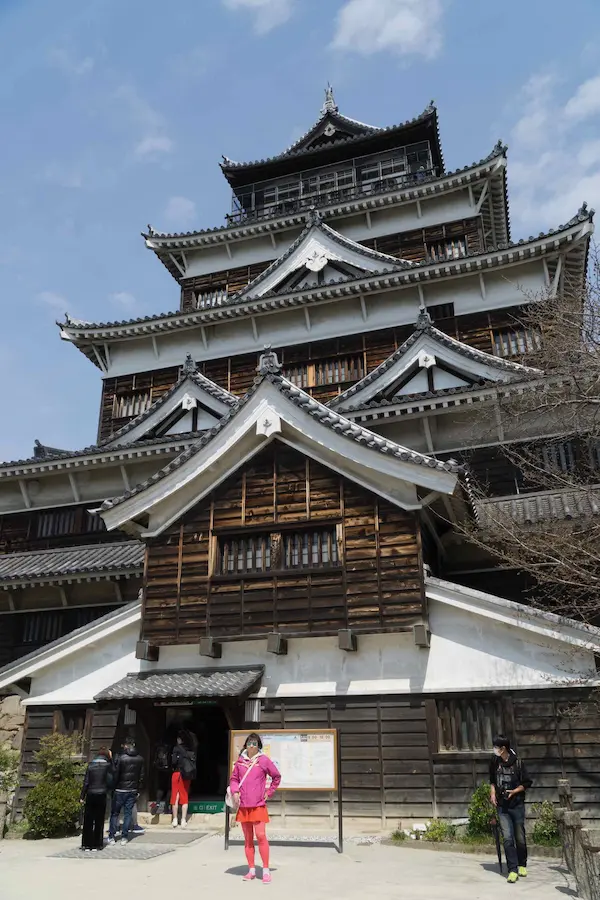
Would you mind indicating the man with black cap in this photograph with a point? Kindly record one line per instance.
(128, 778)
(509, 781)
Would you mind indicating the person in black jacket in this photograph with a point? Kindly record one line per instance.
(509, 781)
(96, 785)
(129, 777)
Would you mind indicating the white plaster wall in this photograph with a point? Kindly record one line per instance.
(469, 652)
(80, 676)
(327, 320)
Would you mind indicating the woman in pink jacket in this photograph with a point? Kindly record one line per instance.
(249, 786)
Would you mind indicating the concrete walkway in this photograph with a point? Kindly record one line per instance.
(27, 871)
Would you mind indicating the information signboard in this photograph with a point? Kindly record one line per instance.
(307, 758)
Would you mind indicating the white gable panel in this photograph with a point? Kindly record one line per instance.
(77, 678)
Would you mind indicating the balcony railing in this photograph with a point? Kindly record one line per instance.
(330, 198)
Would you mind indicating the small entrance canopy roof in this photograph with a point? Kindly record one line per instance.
(185, 684)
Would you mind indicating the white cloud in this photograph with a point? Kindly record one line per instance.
(403, 27)
(268, 14)
(68, 64)
(180, 211)
(147, 121)
(553, 166)
(53, 300)
(123, 299)
(585, 102)
(153, 145)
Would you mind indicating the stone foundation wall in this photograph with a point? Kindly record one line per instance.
(12, 721)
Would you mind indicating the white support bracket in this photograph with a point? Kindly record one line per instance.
(74, 487)
(155, 347)
(125, 477)
(25, 493)
(307, 318)
(63, 596)
(228, 249)
(363, 308)
(176, 264)
(482, 197)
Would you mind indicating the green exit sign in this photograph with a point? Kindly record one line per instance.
(206, 807)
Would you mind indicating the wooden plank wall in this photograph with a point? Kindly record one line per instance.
(72, 526)
(384, 756)
(237, 373)
(378, 587)
(413, 245)
(39, 722)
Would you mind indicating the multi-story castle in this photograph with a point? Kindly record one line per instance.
(268, 530)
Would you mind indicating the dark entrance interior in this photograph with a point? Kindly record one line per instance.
(208, 726)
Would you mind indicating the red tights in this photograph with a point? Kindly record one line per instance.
(249, 828)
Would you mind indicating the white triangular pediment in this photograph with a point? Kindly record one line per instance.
(320, 255)
(276, 410)
(429, 361)
(194, 404)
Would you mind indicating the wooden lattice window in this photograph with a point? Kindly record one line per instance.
(58, 522)
(558, 456)
(134, 403)
(467, 725)
(441, 311)
(240, 554)
(336, 370)
(41, 627)
(514, 341)
(451, 248)
(308, 548)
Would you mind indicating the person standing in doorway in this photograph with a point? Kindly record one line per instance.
(509, 781)
(129, 777)
(249, 787)
(184, 771)
(97, 783)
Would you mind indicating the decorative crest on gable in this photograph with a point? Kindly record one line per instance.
(330, 105)
(189, 367)
(268, 364)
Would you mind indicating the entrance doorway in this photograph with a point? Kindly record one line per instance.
(209, 730)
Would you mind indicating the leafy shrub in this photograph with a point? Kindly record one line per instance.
(52, 806)
(9, 765)
(481, 812)
(399, 835)
(545, 827)
(439, 831)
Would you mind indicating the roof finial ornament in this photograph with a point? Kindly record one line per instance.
(189, 366)
(151, 231)
(330, 104)
(431, 106)
(313, 217)
(268, 364)
(423, 319)
(583, 209)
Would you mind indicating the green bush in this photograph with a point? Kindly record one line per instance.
(439, 831)
(399, 835)
(545, 827)
(52, 807)
(9, 765)
(481, 812)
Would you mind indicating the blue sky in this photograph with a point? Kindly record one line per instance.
(115, 115)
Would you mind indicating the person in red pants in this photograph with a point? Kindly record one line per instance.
(249, 787)
(184, 772)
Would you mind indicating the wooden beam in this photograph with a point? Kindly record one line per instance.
(557, 274)
(101, 362)
(11, 601)
(368, 218)
(482, 197)
(546, 271)
(499, 423)
(118, 591)
(254, 327)
(204, 337)
(482, 286)
(419, 210)
(176, 264)
(74, 487)
(155, 347)
(183, 256)
(63, 596)
(107, 354)
(273, 241)
(427, 433)
(429, 498)
(307, 318)
(25, 493)
(228, 249)
(125, 478)
(363, 308)
(471, 197)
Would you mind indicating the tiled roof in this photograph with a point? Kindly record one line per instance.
(236, 306)
(530, 509)
(235, 682)
(336, 422)
(424, 325)
(189, 372)
(366, 132)
(65, 562)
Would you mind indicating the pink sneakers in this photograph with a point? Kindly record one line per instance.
(249, 877)
(266, 879)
